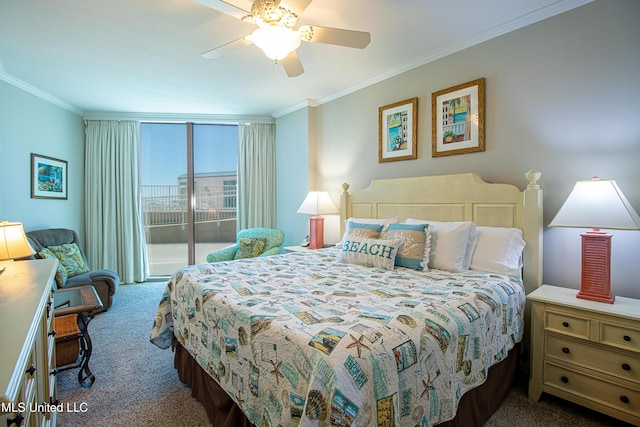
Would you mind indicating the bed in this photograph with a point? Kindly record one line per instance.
(317, 338)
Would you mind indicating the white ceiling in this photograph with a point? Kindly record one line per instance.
(144, 56)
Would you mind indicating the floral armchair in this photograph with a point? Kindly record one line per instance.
(251, 242)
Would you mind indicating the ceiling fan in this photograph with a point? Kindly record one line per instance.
(276, 35)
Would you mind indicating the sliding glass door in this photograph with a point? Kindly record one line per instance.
(188, 186)
(215, 183)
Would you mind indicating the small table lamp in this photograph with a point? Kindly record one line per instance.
(596, 204)
(13, 242)
(317, 203)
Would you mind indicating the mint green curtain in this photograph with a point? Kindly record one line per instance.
(113, 214)
(256, 175)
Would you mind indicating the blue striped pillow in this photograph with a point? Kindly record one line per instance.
(371, 231)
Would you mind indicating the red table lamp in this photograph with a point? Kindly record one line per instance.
(596, 204)
(317, 203)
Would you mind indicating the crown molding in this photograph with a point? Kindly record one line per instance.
(37, 92)
(298, 106)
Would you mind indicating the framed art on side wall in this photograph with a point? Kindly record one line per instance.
(397, 131)
(457, 116)
(48, 177)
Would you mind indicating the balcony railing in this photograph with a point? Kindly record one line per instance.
(167, 204)
(164, 209)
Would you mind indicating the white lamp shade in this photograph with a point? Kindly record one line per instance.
(276, 42)
(13, 242)
(317, 203)
(597, 204)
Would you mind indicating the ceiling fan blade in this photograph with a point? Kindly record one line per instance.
(226, 48)
(236, 8)
(337, 36)
(244, 5)
(298, 6)
(292, 65)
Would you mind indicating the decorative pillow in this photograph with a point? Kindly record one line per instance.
(370, 252)
(61, 272)
(250, 247)
(356, 229)
(416, 245)
(384, 222)
(499, 250)
(70, 257)
(452, 244)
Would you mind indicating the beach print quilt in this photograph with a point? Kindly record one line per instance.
(303, 339)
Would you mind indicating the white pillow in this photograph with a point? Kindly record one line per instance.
(499, 250)
(452, 244)
(382, 221)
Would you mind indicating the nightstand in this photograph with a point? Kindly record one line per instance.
(586, 352)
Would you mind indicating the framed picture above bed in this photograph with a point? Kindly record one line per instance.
(397, 131)
(457, 115)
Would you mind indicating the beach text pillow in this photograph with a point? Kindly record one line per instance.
(370, 252)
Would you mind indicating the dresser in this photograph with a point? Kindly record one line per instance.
(586, 352)
(27, 357)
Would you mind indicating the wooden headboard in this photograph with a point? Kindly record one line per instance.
(459, 197)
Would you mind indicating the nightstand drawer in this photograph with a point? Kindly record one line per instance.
(589, 356)
(620, 336)
(595, 389)
(567, 324)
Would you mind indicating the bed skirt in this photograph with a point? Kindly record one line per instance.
(474, 409)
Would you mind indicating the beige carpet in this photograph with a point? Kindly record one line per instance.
(136, 384)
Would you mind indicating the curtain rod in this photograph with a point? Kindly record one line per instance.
(179, 118)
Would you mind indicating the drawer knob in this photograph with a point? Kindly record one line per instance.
(624, 399)
(627, 338)
(626, 367)
(565, 350)
(31, 370)
(565, 324)
(52, 333)
(564, 379)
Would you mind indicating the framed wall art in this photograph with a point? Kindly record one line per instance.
(48, 177)
(397, 131)
(457, 116)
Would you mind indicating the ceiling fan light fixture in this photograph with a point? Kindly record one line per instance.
(275, 42)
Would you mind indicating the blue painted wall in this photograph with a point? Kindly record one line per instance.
(29, 124)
